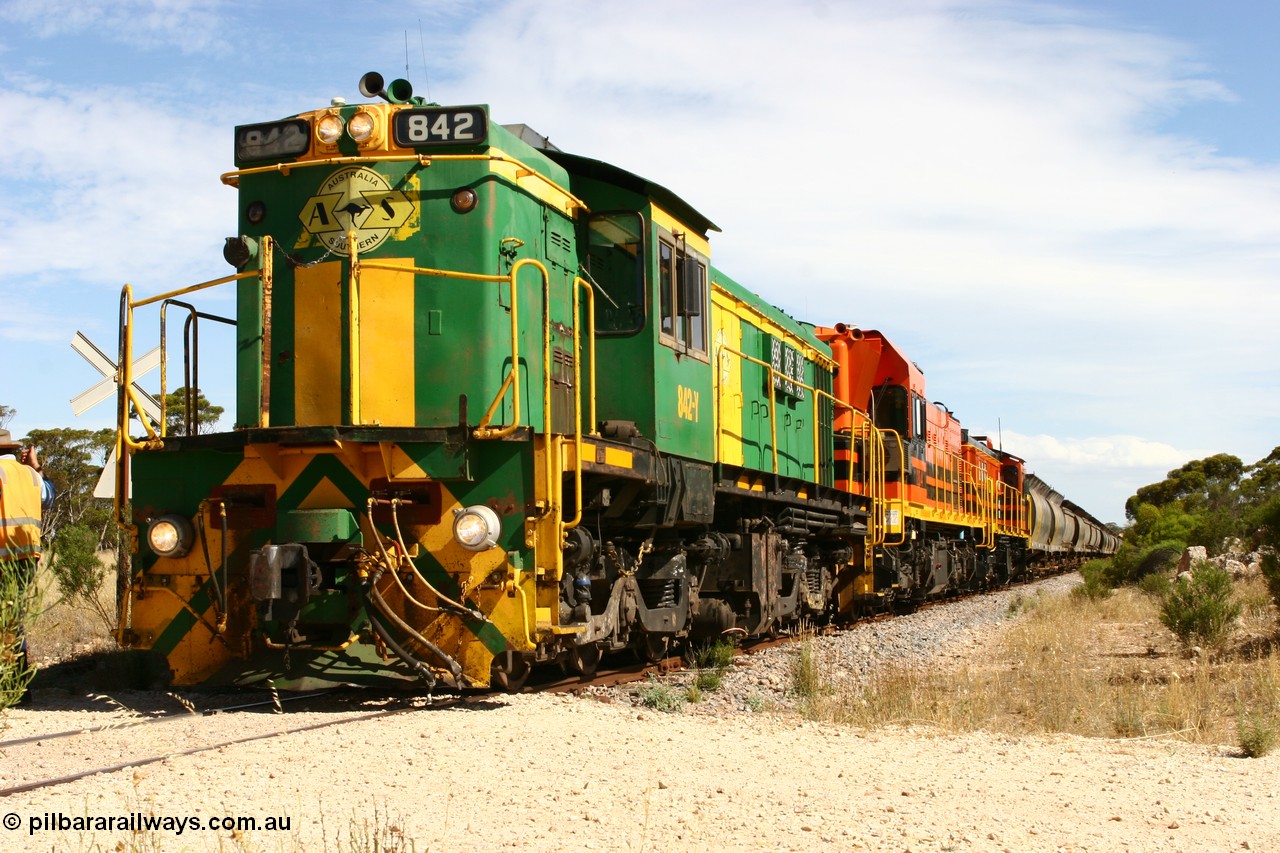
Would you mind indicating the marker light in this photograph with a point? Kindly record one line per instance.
(476, 528)
(463, 200)
(361, 126)
(328, 129)
(170, 536)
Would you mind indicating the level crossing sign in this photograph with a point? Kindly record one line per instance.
(107, 387)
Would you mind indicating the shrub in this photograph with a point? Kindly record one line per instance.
(1162, 557)
(80, 574)
(709, 679)
(1257, 735)
(661, 697)
(1268, 521)
(717, 655)
(1201, 611)
(806, 673)
(709, 664)
(1097, 581)
(1156, 585)
(1271, 571)
(18, 601)
(1131, 563)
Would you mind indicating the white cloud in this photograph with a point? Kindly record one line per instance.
(111, 189)
(190, 26)
(1112, 451)
(942, 148)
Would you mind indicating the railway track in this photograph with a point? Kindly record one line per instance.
(132, 743)
(186, 733)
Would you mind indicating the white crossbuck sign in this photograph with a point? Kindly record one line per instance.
(107, 387)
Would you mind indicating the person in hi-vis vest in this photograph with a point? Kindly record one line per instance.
(24, 495)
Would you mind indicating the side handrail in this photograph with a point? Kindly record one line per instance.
(873, 466)
(901, 499)
(580, 285)
(190, 362)
(127, 398)
(523, 170)
(773, 422)
(869, 442)
(483, 430)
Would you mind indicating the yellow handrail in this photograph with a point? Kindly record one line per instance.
(232, 179)
(483, 430)
(127, 395)
(873, 442)
(580, 284)
(353, 325)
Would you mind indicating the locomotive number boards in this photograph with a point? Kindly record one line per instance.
(441, 126)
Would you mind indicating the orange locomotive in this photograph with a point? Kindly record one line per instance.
(955, 511)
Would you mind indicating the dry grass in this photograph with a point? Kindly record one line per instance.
(65, 630)
(1098, 668)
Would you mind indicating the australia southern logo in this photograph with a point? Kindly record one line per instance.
(355, 199)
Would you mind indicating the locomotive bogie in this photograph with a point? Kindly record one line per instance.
(298, 570)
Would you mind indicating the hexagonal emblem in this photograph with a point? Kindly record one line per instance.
(355, 199)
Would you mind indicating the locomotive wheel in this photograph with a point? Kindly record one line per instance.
(584, 659)
(509, 672)
(653, 647)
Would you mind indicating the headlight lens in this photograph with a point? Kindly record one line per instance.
(170, 536)
(361, 126)
(328, 129)
(476, 528)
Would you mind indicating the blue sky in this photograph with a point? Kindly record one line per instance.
(1067, 213)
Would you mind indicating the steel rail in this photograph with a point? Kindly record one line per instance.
(195, 750)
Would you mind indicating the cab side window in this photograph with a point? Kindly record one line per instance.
(682, 285)
(615, 264)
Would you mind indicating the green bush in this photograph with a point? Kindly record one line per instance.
(1097, 581)
(1131, 563)
(18, 601)
(80, 574)
(1268, 522)
(1161, 557)
(1257, 735)
(1201, 611)
(1271, 571)
(1156, 585)
(1213, 528)
(709, 664)
(807, 678)
(661, 697)
(717, 655)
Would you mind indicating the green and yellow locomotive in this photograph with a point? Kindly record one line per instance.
(496, 408)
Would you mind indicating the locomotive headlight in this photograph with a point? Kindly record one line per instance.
(170, 536)
(328, 129)
(476, 528)
(361, 126)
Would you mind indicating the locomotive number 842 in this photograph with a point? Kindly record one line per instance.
(496, 407)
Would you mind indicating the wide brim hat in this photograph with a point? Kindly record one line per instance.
(7, 442)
